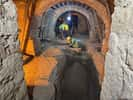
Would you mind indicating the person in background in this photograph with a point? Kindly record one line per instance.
(75, 43)
(64, 30)
(57, 30)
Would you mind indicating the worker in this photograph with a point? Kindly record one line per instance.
(57, 30)
(64, 29)
(72, 42)
(75, 43)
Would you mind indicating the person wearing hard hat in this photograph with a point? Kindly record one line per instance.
(72, 42)
(75, 43)
(64, 29)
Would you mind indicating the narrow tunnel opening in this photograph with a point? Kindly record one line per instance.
(74, 20)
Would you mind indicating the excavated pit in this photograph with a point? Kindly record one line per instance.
(75, 77)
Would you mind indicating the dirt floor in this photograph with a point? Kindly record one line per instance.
(78, 78)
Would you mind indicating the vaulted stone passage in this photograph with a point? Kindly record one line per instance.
(101, 7)
(72, 67)
(50, 17)
(75, 66)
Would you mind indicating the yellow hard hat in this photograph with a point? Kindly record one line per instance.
(68, 39)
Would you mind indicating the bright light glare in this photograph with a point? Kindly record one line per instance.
(69, 18)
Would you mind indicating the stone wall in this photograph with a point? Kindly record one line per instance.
(118, 80)
(12, 84)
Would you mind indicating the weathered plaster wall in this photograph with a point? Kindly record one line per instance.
(12, 84)
(118, 81)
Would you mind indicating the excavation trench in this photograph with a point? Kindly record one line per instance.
(75, 77)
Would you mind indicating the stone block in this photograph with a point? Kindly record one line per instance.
(19, 77)
(20, 93)
(2, 52)
(118, 80)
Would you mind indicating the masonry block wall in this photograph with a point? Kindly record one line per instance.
(118, 81)
(12, 84)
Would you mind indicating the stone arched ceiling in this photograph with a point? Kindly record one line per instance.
(56, 11)
(100, 8)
